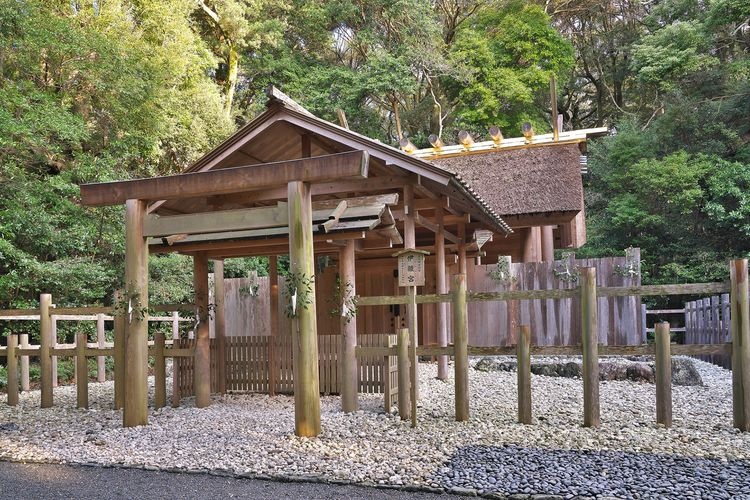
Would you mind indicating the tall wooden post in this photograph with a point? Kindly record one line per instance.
(101, 373)
(160, 371)
(404, 405)
(462, 249)
(119, 348)
(25, 382)
(441, 287)
(45, 341)
(136, 316)
(350, 380)
(82, 371)
(273, 367)
(740, 328)
(220, 327)
(304, 327)
(461, 342)
(411, 308)
(663, 374)
(590, 339)
(523, 356)
(12, 367)
(202, 373)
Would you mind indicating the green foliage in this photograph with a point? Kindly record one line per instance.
(3, 377)
(511, 50)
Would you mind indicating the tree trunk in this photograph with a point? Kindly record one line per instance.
(233, 66)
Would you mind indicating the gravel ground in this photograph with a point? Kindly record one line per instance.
(253, 435)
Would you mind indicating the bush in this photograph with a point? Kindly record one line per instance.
(65, 369)
(3, 377)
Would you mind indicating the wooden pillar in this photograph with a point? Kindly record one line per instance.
(548, 243)
(441, 287)
(462, 249)
(82, 371)
(176, 396)
(202, 372)
(175, 325)
(461, 342)
(740, 329)
(160, 371)
(412, 319)
(273, 366)
(523, 357)
(45, 341)
(404, 404)
(101, 368)
(663, 362)
(350, 380)
(527, 252)
(25, 382)
(12, 367)
(136, 316)
(220, 327)
(119, 348)
(590, 338)
(304, 327)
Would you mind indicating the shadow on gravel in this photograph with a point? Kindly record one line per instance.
(513, 469)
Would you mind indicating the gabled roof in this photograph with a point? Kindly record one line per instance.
(535, 180)
(281, 108)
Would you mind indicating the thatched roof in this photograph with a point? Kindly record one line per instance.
(523, 181)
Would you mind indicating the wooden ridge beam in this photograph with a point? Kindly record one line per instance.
(350, 165)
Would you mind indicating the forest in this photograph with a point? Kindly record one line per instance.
(96, 90)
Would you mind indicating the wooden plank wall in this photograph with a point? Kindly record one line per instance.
(553, 322)
(707, 322)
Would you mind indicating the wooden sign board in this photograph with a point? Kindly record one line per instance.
(411, 267)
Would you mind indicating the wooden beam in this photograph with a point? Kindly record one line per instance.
(322, 189)
(544, 219)
(351, 165)
(360, 201)
(435, 228)
(135, 410)
(304, 323)
(214, 222)
(243, 244)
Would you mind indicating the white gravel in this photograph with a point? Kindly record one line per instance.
(254, 434)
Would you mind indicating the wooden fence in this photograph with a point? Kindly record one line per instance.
(264, 364)
(707, 321)
(589, 295)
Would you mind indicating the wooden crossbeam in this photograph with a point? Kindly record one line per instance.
(426, 223)
(327, 188)
(350, 165)
(211, 222)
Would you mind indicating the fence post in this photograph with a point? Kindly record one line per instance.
(25, 382)
(644, 324)
(404, 405)
(101, 368)
(176, 344)
(82, 371)
(523, 355)
(590, 338)
(45, 339)
(461, 342)
(119, 354)
(53, 340)
(663, 363)
(12, 366)
(740, 323)
(160, 371)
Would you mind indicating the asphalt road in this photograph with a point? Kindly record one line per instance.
(35, 481)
